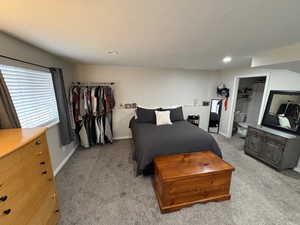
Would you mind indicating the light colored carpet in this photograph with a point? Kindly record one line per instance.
(98, 187)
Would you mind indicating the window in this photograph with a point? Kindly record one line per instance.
(32, 94)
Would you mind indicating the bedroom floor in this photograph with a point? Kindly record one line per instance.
(98, 187)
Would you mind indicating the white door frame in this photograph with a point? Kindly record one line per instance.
(234, 99)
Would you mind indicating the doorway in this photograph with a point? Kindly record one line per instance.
(249, 97)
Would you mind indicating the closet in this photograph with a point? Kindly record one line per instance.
(91, 107)
(248, 103)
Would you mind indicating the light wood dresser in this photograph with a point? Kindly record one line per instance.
(27, 189)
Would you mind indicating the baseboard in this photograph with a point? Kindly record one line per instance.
(122, 138)
(61, 165)
(297, 168)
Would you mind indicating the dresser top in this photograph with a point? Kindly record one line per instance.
(276, 132)
(13, 139)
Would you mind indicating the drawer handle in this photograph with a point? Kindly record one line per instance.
(43, 163)
(57, 211)
(53, 196)
(44, 172)
(7, 212)
(39, 153)
(38, 142)
(3, 198)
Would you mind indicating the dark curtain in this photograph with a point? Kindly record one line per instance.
(66, 132)
(9, 108)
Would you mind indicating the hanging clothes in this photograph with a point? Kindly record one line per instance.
(84, 141)
(97, 127)
(71, 110)
(108, 131)
(94, 101)
(91, 108)
(102, 141)
(82, 111)
(109, 99)
(75, 103)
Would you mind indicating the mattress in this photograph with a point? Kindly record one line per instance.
(151, 140)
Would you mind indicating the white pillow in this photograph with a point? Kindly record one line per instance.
(163, 117)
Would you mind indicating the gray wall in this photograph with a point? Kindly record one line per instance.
(12, 47)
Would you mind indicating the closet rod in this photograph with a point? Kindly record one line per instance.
(75, 83)
(22, 61)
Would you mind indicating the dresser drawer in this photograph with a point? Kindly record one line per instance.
(48, 211)
(9, 216)
(54, 217)
(9, 178)
(10, 190)
(36, 161)
(253, 142)
(9, 164)
(19, 208)
(11, 181)
(275, 140)
(38, 175)
(36, 151)
(24, 205)
(39, 142)
(273, 151)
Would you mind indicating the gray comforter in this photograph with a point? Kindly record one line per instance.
(180, 137)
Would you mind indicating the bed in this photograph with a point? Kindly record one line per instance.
(151, 140)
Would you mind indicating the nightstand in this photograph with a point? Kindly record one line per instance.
(194, 119)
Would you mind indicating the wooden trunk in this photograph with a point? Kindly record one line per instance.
(185, 179)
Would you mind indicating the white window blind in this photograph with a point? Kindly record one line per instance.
(32, 94)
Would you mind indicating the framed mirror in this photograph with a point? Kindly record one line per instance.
(283, 111)
(215, 115)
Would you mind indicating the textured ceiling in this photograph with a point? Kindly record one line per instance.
(193, 34)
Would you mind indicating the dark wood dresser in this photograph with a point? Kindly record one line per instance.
(276, 148)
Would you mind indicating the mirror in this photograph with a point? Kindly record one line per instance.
(283, 111)
(215, 115)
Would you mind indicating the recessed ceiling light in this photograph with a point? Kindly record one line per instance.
(227, 59)
(113, 52)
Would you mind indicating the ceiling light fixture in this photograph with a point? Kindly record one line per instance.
(113, 52)
(227, 59)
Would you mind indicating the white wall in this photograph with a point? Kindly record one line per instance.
(12, 47)
(290, 53)
(152, 87)
(279, 80)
